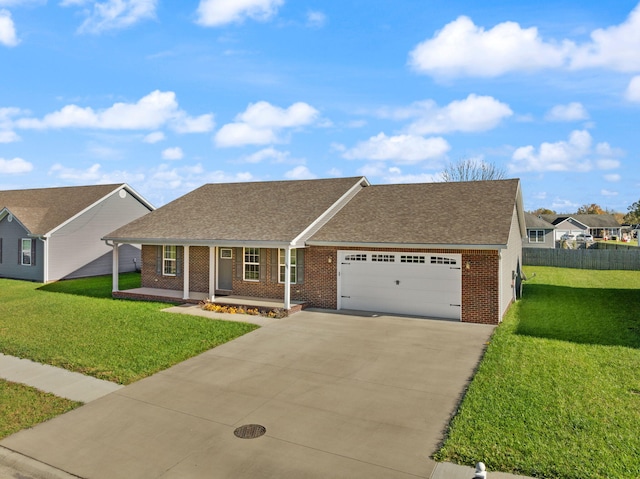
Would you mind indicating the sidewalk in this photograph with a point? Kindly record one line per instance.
(63, 383)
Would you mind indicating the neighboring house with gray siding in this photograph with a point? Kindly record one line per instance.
(540, 233)
(438, 250)
(47, 234)
(603, 226)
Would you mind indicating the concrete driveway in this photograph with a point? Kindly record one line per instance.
(340, 396)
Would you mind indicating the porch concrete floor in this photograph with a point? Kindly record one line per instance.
(195, 297)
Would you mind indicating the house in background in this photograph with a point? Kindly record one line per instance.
(598, 226)
(47, 234)
(440, 250)
(540, 233)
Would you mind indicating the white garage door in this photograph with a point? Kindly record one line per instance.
(423, 284)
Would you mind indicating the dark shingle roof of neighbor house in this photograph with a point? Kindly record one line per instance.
(533, 221)
(254, 211)
(456, 213)
(41, 210)
(592, 221)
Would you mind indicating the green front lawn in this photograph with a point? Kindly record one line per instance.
(76, 325)
(22, 407)
(557, 394)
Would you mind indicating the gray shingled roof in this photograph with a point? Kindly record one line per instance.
(592, 221)
(535, 222)
(460, 213)
(275, 211)
(41, 210)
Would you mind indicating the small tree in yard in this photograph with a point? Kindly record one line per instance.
(471, 170)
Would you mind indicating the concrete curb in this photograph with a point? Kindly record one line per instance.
(15, 465)
(447, 470)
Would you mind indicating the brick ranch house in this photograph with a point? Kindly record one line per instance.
(441, 250)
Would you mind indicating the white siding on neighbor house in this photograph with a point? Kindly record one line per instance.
(128, 261)
(510, 261)
(10, 265)
(78, 243)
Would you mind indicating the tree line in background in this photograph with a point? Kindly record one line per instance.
(472, 169)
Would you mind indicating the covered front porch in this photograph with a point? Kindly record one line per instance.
(194, 273)
(194, 297)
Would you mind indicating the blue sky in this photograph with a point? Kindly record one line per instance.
(168, 95)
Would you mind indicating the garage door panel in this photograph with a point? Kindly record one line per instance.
(431, 287)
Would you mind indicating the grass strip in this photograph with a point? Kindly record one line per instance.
(22, 407)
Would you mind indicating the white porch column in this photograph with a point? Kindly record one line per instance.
(287, 278)
(212, 273)
(116, 267)
(185, 272)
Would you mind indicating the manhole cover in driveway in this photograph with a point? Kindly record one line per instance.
(250, 431)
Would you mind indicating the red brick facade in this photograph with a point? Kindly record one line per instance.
(480, 278)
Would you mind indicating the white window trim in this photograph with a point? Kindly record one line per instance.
(282, 266)
(538, 237)
(22, 251)
(246, 263)
(166, 261)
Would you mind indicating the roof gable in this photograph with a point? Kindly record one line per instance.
(273, 211)
(41, 210)
(455, 213)
(535, 222)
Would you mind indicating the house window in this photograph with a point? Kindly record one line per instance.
(536, 236)
(169, 260)
(252, 264)
(25, 251)
(356, 257)
(283, 268)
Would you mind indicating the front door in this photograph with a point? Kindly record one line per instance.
(225, 268)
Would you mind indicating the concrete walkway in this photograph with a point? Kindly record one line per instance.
(63, 383)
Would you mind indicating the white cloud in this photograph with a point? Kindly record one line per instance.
(633, 90)
(613, 177)
(8, 136)
(608, 193)
(151, 112)
(14, 166)
(272, 154)
(576, 154)
(474, 113)
(401, 148)
(462, 48)
(571, 112)
(316, 19)
(616, 47)
(175, 153)
(299, 173)
(214, 13)
(115, 14)
(8, 35)
(261, 123)
(154, 137)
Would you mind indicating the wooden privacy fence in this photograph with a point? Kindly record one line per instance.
(591, 258)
